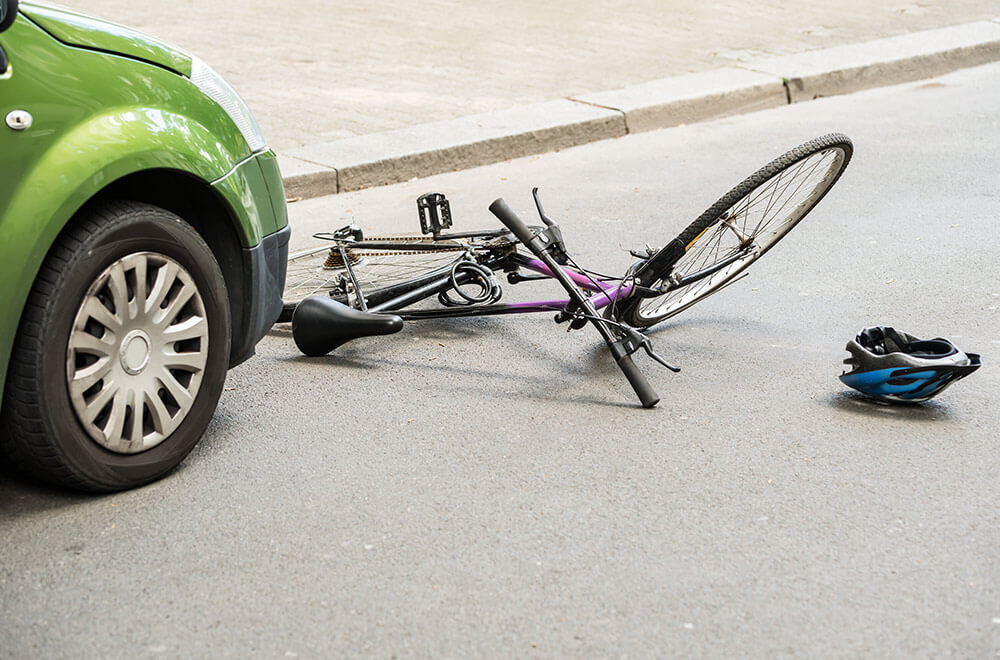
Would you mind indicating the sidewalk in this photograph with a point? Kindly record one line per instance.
(358, 94)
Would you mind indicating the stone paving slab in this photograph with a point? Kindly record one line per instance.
(321, 70)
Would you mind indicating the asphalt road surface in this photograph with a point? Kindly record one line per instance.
(489, 487)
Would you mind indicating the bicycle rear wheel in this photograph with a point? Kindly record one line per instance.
(740, 227)
(321, 270)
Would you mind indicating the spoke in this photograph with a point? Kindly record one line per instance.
(96, 310)
(113, 429)
(137, 265)
(119, 290)
(165, 276)
(297, 293)
(185, 361)
(709, 253)
(769, 190)
(754, 198)
(135, 435)
(802, 182)
(140, 282)
(159, 417)
(181, 395)
(84, 379)
(88, 344)
(195, 327)
(307, 254)
(787, 197)
(174, 307)
(788, 174)
(96, 404)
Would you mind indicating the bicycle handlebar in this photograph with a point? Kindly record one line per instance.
(642, 388)
(506, 215)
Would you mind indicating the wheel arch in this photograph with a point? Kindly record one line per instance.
(189, 197)
(201, 206)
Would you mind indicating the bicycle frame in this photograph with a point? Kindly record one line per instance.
(604, 295)
(383, 310)
(433, 283)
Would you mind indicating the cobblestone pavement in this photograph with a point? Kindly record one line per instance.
(320, 70)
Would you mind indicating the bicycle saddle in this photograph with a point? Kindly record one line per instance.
(321, 324)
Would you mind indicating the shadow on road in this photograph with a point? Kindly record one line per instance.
(859, 404)
(22, 496)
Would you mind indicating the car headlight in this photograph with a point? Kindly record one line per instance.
(216, 88)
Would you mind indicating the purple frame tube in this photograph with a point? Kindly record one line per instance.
(605, 294)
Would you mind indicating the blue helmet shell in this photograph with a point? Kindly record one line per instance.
(896, 367)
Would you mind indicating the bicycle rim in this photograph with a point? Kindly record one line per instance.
(746, 223)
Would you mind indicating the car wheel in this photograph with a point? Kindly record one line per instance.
(121, 352)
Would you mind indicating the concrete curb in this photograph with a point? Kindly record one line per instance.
(691, 98)
(393, 156)
(883, 62)
(423, 150)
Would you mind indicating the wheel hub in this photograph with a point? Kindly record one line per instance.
(134, 352)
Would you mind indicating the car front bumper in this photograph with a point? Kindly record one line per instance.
(264, 268)
(255, 194)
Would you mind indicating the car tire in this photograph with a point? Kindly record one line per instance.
(121, 352)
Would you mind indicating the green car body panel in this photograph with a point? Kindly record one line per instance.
(108, 104)
(78, 29)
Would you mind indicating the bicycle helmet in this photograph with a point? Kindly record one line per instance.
(897, 367)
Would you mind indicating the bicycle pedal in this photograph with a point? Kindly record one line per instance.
(435, 213)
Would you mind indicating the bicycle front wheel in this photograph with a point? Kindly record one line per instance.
(735, 231)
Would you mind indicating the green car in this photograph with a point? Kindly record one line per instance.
(143, 243)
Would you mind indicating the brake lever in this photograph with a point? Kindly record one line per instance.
(541, 212)
(635, 340)
(551, 237)
(631, 342)
(650, 353)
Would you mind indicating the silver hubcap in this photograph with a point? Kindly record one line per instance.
(137, 352)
